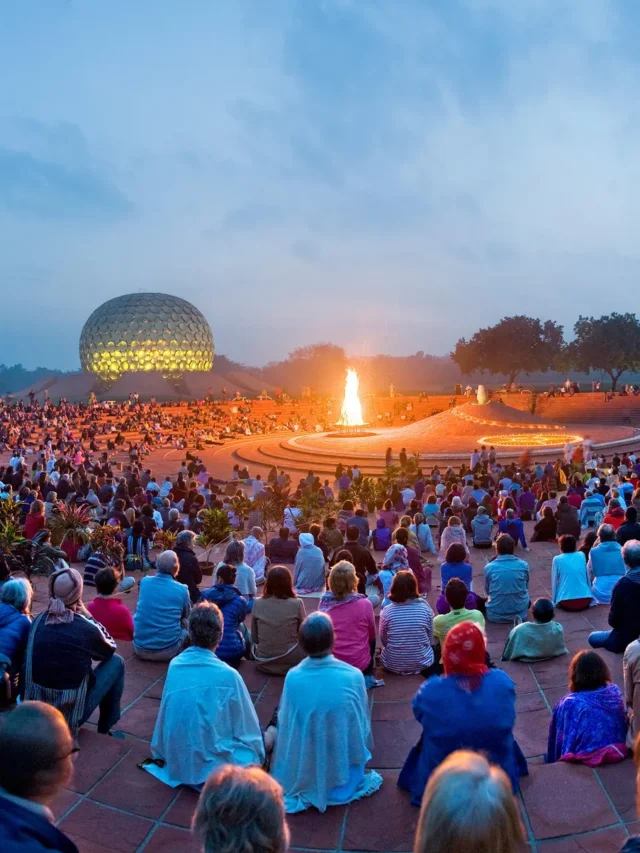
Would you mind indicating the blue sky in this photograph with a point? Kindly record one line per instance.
(385, 174)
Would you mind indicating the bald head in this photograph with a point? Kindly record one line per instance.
(36, 746)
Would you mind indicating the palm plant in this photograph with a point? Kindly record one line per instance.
(70, 524)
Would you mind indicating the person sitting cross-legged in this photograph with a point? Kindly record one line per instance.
(235, 641)
(190, 572)
(538, 640)
(15, 622)
(589, 725)
(63, 643)
(406, 629)
(206, 715)
(470, 707)
(512, 526)
(354, 624)
(36, 748)
(506, 583)
(160, 620)
(456, 595)
(570, 588)
(309, 570)
(322, 695)
(275, 622)
(241, 809)
(605, 565)
(283, 549)
(624, 613)
(108, 609)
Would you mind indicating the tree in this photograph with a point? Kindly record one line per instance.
(514, 345)
(610, 343)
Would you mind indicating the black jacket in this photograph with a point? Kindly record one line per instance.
(190, 573)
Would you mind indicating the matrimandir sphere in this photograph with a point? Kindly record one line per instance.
(142, 332)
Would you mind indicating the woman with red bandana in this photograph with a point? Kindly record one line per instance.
(470, 707)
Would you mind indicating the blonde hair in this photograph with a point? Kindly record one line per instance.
(241, 808)
(468, 805)
(405, 521)
(36, 508)
(343, 579)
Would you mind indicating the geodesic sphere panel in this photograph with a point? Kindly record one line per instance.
(145, 331)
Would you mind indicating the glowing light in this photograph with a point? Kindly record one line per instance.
(536, 439)
(351, 414)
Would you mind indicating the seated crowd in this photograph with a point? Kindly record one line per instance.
(63, 665)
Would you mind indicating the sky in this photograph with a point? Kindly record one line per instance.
(387, 175)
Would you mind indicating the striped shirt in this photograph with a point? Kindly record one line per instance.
(406, 631)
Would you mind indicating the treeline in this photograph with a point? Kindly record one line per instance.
(520, 344)
(17, 377)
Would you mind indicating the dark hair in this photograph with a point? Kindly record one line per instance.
(138, 528)
(226, 573)
(588, 542)
(456, 593)
(456, 553)
(284, 532)
(147, 511)
(106, 581)
(505, 544)
(315, 530)
(567, 543)
(343, 554)
(631, 514)
(402, 536)
(387, 505)
(547, 512)
(588, 671)
(279, 583)
(353, 533)
(403, 587)
(543, 610)
(347, 505)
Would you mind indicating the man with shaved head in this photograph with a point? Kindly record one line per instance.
(36, 748)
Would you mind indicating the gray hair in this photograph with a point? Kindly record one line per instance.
(256, 532)
(174, 514)
(235, 552)
(316, 635)
(607, 533)
(631, 554)
(510, 513)
(205, 625)
(167, 563)
(17, 592)
(186, 537)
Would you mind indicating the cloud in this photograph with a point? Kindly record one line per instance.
(36, 187)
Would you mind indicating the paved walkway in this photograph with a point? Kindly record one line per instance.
(114, 806)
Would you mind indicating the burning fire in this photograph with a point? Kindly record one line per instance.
(351, 414)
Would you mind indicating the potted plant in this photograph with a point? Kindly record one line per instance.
(105, 538)
(70, 528)
(164, 539)
(215, 530)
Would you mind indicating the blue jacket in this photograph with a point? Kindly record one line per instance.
(480, 720)
(162, 611)
(14, 632)
(234, 609)
(24, 831)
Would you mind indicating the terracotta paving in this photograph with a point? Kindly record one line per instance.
(114, 806)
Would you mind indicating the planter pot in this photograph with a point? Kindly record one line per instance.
(71, 549)
(207, 568)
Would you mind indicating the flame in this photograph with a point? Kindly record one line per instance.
(351, 414)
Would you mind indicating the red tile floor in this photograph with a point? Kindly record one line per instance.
(114, 806)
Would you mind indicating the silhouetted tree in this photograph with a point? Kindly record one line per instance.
(610, 343)
(514, 345)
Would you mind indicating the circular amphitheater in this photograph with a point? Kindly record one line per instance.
(446, 437)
